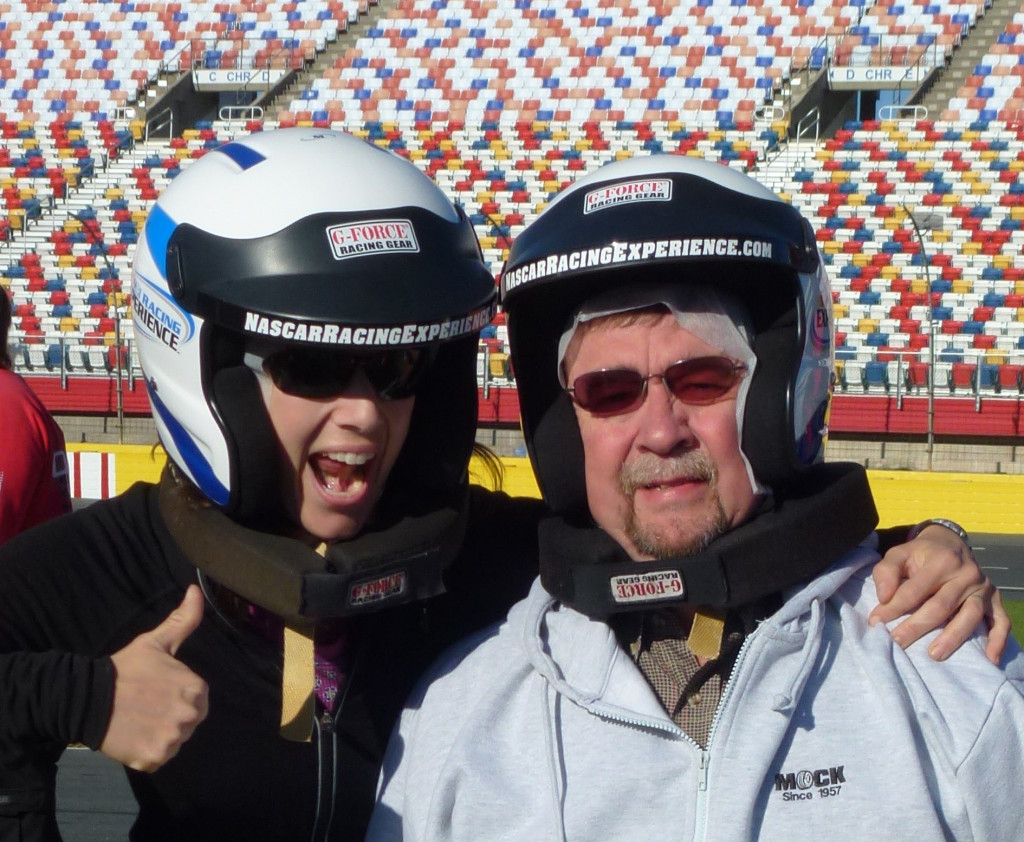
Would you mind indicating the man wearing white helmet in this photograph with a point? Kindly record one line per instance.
(697, 659)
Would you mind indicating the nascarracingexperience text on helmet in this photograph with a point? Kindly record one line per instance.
(666, 220)
(316, 239)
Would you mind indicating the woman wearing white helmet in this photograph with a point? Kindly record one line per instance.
(307, 308)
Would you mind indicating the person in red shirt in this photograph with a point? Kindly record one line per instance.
(33, 464)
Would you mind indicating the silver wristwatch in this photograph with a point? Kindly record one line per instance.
(952, 526)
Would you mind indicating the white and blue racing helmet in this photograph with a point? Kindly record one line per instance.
(315, 238)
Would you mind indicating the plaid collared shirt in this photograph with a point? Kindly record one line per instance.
(690, 692)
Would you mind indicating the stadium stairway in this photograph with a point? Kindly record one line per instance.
(963, 60)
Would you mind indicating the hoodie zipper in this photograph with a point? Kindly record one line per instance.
(701, 818)
(327, 775)
(325, 726)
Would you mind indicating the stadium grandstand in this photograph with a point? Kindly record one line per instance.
(897, 127)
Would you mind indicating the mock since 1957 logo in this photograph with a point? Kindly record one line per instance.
(808, 784)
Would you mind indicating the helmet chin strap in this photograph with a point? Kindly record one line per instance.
(400, 561)
(585, 568)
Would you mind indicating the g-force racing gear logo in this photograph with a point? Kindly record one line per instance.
(658, 584)
(645, 190)
(806, 785)
(377, 590)
(383, 236)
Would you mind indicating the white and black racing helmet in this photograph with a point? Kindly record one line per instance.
(316, 239)
(674, 219)
(665, 220)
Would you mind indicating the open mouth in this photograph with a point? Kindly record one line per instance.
(341, 472)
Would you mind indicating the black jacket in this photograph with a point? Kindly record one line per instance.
(81, 587)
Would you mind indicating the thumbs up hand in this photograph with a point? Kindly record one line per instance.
(158, 701)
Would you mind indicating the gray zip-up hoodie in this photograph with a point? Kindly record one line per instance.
(544, 729)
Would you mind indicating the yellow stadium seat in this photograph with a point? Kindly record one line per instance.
(498, 362)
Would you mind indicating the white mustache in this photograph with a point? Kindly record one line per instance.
(655, 470)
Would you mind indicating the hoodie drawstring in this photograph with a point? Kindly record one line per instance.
(785, 702)
(556, 762)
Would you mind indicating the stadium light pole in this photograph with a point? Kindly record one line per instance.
(928, 221)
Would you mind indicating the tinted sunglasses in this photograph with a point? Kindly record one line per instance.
(320, 373)
(699, 381)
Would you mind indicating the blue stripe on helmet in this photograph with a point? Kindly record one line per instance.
(244, 156)
(200, 469)
(159, 227)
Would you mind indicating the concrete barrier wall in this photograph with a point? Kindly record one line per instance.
(981, 502)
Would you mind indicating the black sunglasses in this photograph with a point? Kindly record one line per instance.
(699, 381)
(320, 373)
